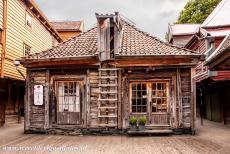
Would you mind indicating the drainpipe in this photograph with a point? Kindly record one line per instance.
(4, 37)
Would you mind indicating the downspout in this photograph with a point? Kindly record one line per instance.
(4, 37)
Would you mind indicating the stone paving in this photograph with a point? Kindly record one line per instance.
(210, 138)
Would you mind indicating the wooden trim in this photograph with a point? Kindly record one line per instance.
(4, 37)
(81, 79)
(47, 101)
(27, 103)
(119, 100)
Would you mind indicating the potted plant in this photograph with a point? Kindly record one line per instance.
(142, 122)
(133, 123)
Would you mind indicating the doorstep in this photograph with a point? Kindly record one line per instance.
(151, 132)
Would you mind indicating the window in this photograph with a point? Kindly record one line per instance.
(159, 97)
(28, 20)
(27, 49)
(68, 96)
(152, 95)
(139, 97)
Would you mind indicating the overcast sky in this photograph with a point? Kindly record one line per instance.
(151, 16)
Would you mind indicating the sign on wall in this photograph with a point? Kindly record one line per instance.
(38, 95)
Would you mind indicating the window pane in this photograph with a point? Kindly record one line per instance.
(68, 97)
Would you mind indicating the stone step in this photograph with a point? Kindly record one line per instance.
(157, 127)
(151, 132)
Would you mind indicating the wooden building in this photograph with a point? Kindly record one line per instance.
(212, 85)
(98, 80)
(23, 30)
(68, 29)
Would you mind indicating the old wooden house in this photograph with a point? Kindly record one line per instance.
(98, 80)
(24, 29)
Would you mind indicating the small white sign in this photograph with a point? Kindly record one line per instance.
(38, 95)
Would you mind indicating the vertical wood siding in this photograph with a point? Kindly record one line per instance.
(36, 113)
(186, 97)
(94, 95)
(37, 37)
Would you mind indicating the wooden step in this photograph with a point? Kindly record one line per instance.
(108, 77)
(107, 85)
(108, 92)
(107, 125)
(108, 99)
(157, 127)
(108, 107)
(107, 116)
(108, 69)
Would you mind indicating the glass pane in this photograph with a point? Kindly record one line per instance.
(138, 86)
(134, 109)
(158, 86)
(134, 102)
(144, 109)
(138, 101)
(134, 86)
(144, 86)
(154, 86)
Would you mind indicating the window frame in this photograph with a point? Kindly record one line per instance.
(28, 14)
(149, 95)
(76, 106)
(26, 46)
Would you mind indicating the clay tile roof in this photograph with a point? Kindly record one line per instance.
(134, 43)
(137, 42)
(68, 25)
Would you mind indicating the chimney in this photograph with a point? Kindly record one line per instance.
(109, 34)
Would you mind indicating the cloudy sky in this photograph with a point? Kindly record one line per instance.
(151, 16)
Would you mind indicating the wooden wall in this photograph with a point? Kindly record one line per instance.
(37, 37)
(1, 26)
(36, 115)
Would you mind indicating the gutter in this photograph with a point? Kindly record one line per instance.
(4, 37)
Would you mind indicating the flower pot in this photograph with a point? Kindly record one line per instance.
(141, 127)
(133, 127)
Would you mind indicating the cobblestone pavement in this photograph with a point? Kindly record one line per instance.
(210, 138)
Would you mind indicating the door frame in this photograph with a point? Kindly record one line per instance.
(149, 112)
(83, 105)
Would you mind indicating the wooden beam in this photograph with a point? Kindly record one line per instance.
(4, 37)
(27, 103)
(47, 101)
(119, 100)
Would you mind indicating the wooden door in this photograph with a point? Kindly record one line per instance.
(150, 99)
(159, 103)
(68, 102)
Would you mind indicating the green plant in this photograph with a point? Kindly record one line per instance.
(133, 120)
(142, 120)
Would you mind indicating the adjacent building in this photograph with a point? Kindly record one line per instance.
(212, 84)
(96, 81)
(24, 30)
(68, 29)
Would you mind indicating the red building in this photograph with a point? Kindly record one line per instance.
(213, 85)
